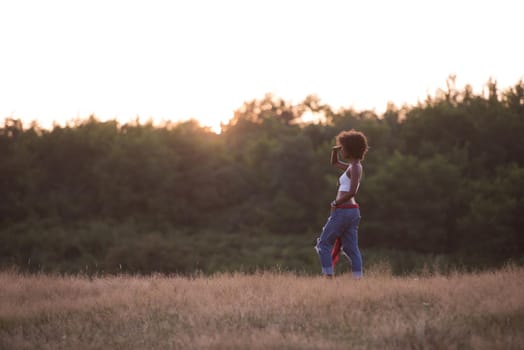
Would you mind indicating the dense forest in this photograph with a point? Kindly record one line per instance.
(442, 178)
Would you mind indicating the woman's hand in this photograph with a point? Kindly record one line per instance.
(334, 158)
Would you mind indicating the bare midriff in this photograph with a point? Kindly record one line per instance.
(340, 194)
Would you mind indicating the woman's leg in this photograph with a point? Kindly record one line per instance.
(327, 238)
(350, 243)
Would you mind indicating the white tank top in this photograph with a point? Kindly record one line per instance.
(344, 182)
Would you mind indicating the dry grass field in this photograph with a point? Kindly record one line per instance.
(263, 311)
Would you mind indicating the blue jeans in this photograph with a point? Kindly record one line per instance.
(341, 223)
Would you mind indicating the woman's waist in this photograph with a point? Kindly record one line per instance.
(350, 201)
(347, 206)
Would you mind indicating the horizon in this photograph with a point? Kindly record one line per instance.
(305, 118)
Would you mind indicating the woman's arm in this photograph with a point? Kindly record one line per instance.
(334, 159)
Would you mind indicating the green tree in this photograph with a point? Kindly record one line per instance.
(410, 204)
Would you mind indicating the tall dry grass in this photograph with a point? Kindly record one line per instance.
(263, 311)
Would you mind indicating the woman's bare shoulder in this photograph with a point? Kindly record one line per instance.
(357, 167)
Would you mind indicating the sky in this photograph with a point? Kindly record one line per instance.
(176, 60)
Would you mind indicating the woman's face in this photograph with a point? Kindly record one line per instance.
(343, 153)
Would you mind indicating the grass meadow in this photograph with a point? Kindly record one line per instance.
(264, 310)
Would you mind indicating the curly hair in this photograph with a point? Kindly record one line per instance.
(354, 142)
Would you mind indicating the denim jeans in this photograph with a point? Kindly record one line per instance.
(341, 223)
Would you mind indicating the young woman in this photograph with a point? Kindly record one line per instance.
(345, 213)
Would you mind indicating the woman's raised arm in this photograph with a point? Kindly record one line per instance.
(335, 161)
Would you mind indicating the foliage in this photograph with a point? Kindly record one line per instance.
(444, 177)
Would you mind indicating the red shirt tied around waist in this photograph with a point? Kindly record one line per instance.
(337, 247)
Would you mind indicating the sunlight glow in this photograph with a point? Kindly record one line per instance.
(202, 59)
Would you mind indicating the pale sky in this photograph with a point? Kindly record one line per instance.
(201, 59)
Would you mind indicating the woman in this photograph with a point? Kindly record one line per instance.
(345, 213)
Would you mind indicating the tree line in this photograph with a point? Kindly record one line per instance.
(444, 176)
